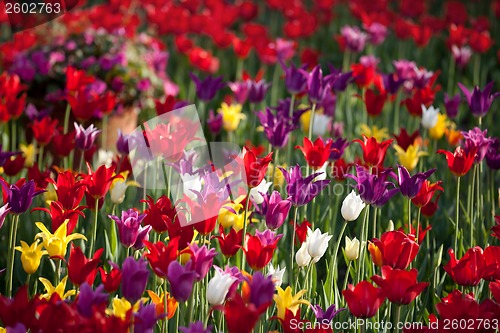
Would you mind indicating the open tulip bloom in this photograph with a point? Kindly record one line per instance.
(250, 167)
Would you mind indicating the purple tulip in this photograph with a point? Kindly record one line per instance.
(277, 128)
(374, 189)
(181, 279)
(261, 289)
(392, 83)
(493, 155)
(122, 145)
(257, 91)
(405, 69)
(302, 190)
(276, 210)
(327, 316)
(202, 259)
(145, 318)
(130, 230)
(479, 100)
(410, 185)
(422, 77)
(4, 210)
(376, 33)
(88, 298)
(17, 328)
(196, 327)
(317, 86)
(337, 148)
(240, 90)
(452, 104)
(214, 122)
(5, 155)
(477, 139)
(85, 138)
(328, 104)
(134, 278)
(338, 80)
(20, 198)
(295, 79)
(461, 55)
(355, 39)
(207, 88)
(285, 49)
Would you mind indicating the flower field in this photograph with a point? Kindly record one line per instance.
(243, 166)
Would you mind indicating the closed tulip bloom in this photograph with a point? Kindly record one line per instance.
(429, 116)
(85, 137)
(181, 279)
(214, 122)
(130, 230)
(134, 278)
(259, 249)
(470, 269)
(207, 88)
(218, 286)
(352, 206)
(479, 100)
(400, 286)
(364, 299)
(31, 256)
(351, 248)
(277, 210)
(302, 257)
(276, 274)
(202, 258)
(80, 268)
(317, 243)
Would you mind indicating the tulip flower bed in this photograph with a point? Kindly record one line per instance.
(355, 187)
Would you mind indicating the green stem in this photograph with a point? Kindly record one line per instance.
(311, 121)
(57, 272)
(409, 216)
(105, 132)
(362, 242)
(289, 144)
(12, 242)
(94, 229)
(40, 157)
(242, 262)
(457, 214)
(66, 118)
(333, 268)
(398, 318)
(290, 271)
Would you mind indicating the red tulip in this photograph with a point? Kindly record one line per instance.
(470, 269)
(495, 290)
(426, 192)
(374, 103)
(83, 105)
(242, 47)
(160, 255)
(240, 316)
(63, 144)
(496, 228)
(431, 207)
(44, 129)
(399, 286)
(112, 279)
(159, 214)
(364, 299)
(69, 189)
(98, 182)
(316, 154)
(76, 79)
(395, 249)
(458, 36)
(229, 243)
(183, 44)
(480, 41)
(460, 161)
(301, 231)
(259, 249)
(373, 152)
(12, 100)
(340, 169)
(492, 259)
(405, 140)
(255, 168)
(40, 178)
(421, 34)
(14, 165)
(58, 215)
(80, 268)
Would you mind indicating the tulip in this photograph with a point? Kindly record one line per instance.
(276, 210)
(493, 155)
(99, 182)
(240, 90)
(426, 192)
(256, 193)
(317, 86)
(317, 243)
(31, 256)
(122, 143)
(160, 255)
(373, 189)
(257, 91)
(56, 244)
(476, 140)
(112, 279)
(352, 206)
(461, 55)
(395, 249)
(202, 259)
(159, 302)
(302, 257)
(470, 269)
(460, 161)
(80, 268)
(197, 327)
(316, 153)
(276, 274)
(285, 300)
(88, 299)
(440, 128)
(85, 138)
(229, 243)
(130, 230)
(4, 210)
(214, 122)
(399, 286)
(374, 104)
(255, 168)
(373, 152)
(59, 289)
(479, 100)
(302, 190)
(404, 140)
(351, 248)
(118, 188)
(429, 116)
(231, 116)
(496, 228)
(277, 127)
(122, 308)
(159, 214)
(20, 195)
(207, 88)
(259, 249)
(327, 316)
(181, 279)
(354, 38)
(452, 104)
(134, 278)
(295, 79)
(410, 185)
(363, 299)
(145, 318)
(218, 287)
(44, 129)
(75, 79)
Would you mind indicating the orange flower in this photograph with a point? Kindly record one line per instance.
(159, 302)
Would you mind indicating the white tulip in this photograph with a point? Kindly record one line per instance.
(352, 206)
(255, 193)
(322, 172)
(117, 191)
(191, 182)
(218, 287)
(321, 124)
(317, 243)
(429, 116)
(277, 274)
(351, 248)
(302, 257)
(104, 157)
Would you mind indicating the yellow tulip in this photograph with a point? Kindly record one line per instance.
(409, 158)
(279, 179)
(378, 133)
(439, 129)
(285, 300)
(120, 307)
(57, 243)
(228, 219)
(59, 289)
(2, 330)
(231, 116)
(31, 256)
(29, 153)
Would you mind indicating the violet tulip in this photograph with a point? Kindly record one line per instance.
(181, 279)
(132, 234)
(327, 316)
(277, 128)
(261, 289)
(479, 100)
(87, 298)
(207, 88)
(374, 189)
(85, 137)
(475, 139)
(257, 91)
(277, 210)
(20, 198)
(317, 86)
(451, 104)
(134, 278)
(410, 185)
(295, 79)
(202, 259)
(196, 327)
(302, 190)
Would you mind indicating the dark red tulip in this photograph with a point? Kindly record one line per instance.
(404, 140)
(470, 269)
(13, 165)
(394, 248)
(363, 299)
(400, 286)
(229, 243)
(63, 144)
(80, 268)
(44, 129)
(496, 228)
(58, 215)
(69, 189)
(374, 103)
(112, 279)
(159, 214)
(459, 161)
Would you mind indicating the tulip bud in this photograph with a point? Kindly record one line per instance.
(302, 257)
(390, 227)
(218, 287)
(351, 248)
(352, 206)
(117, 192)
(317, 243)
(429, 116)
